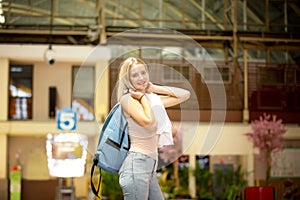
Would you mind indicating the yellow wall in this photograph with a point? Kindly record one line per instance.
(45, 76)
(58, 75)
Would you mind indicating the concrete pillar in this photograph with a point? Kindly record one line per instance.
(246, 103)
(4, 77)
(192, 179)
(250, 168)
(102, 97)
(3, 167)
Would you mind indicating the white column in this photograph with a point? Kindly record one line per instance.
(192, 179)
(101, 100)
(250, 168)
(3, 156)
(3, 165)
(246, 107)
(4, 77)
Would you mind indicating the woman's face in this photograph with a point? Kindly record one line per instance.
(139, 77)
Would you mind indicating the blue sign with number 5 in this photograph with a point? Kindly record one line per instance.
(66, 119)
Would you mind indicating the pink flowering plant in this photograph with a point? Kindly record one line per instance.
(174, 180)
(171, 154)
(267, 136)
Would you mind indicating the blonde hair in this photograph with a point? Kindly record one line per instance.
(124, 84)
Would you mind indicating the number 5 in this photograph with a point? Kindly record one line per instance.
(67, 121)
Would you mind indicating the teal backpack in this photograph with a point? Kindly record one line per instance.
(113, 144)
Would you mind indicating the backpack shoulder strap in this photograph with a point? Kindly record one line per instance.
(96, 191)
(108, 118)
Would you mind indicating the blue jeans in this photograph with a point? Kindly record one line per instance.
(137, 178)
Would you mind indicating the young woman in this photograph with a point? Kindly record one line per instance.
(149, 127)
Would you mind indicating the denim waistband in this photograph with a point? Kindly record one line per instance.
(149, 158)
(142, 154)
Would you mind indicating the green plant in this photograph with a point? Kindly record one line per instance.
(110, 186)
(228, 183)
(167, 183)
(233, 190)
(203, 182)
(183, 189)
(169, 186)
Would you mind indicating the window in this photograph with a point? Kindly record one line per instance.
(176, 74)
(217, 75)
(83, 92)
(272, 76)
(20, 92)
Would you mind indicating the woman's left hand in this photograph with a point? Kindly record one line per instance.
(150, 88)
(136, 94)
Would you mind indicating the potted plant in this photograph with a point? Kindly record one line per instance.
(267, 136)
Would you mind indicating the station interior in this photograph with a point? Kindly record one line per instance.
(240, 60)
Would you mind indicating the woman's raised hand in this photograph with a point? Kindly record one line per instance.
(136, 94)
(149, 88)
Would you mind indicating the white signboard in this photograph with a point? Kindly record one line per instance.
(66, 153)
